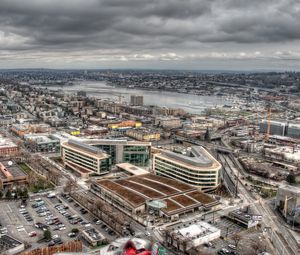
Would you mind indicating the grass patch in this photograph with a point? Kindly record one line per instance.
(36, 182)
(25, 168)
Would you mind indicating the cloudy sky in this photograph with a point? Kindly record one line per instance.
(174, 34)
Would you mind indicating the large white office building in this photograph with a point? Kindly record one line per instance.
(197, 167)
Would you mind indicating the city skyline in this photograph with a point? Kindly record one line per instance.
(189, 35)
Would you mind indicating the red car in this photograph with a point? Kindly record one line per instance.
(32, 234)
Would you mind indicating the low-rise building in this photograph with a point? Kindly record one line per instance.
(168, 122)
(246, 219)
(148, 193)
(11, 175)
(6, 120)
(93, 236)
(145, 135)
(10, 245)
(283, 153)
(41, 143)
(23, 129)
(8, 147)
(187, 235)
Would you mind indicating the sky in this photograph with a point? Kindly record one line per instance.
(155, 34)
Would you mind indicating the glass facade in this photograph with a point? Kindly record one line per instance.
(110, 150)
(136, 155)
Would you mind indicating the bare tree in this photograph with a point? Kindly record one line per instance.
(70, 186)
(236, 238)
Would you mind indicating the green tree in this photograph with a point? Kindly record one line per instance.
(8, 194)
(19, 192)
(47, 234)
(25, 193)
(291, 178)
(75, 230)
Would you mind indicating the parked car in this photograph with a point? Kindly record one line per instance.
(32, 234)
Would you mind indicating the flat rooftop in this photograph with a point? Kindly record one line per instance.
(13, 170)
(6, 142)
(8, 242)
(41, 138)
(291, 189)
(132, 169)
(93, 234)
(115, 142)
(137, 190)
(200, 228)
(85, 149)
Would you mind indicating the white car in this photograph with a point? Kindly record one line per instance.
(62, 228)
(55, 236)
(87, 225)
(231, 246)
(147, 234)
(72, 234)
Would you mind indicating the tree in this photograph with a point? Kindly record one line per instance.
(207, 137)
(8, 194)
(19, 192)
(236, 238)
(47, 234)
(291, 178)
(25, 193)
(75, 230)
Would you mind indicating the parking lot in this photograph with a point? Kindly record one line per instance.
(59, 214)
(88, 218)
(14, 223)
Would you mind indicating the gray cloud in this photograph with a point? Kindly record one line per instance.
(96, 32)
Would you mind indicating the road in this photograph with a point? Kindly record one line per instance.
(279, 235)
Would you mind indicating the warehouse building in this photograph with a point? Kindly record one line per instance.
(196, 167)
(140, 194)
